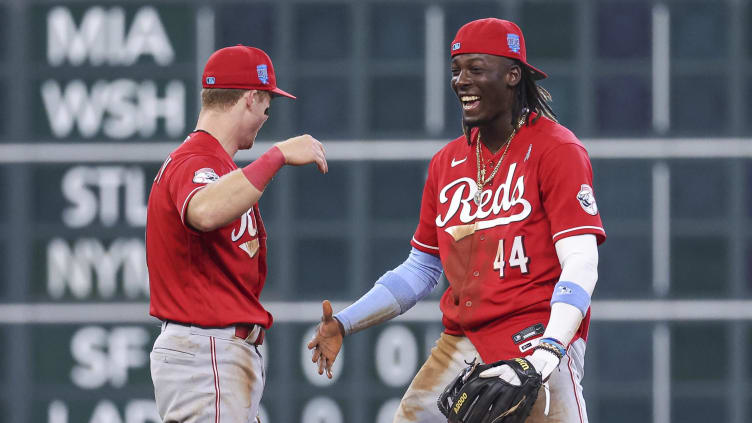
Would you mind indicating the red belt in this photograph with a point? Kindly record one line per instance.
(244, 331)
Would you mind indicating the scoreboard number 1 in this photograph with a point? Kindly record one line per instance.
(517, 257)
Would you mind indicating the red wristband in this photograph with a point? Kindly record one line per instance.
(261, 171)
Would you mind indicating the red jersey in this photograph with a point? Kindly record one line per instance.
(499, 256)
(209, 279)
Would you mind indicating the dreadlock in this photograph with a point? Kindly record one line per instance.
(529, 97)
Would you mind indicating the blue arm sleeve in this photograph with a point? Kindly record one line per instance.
(414, 279)
(572, 294)
(394, 293)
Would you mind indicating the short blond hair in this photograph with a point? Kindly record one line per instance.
(220, 98)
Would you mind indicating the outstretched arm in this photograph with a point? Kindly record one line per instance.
(393, 294)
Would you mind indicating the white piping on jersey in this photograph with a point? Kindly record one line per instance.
(578, 228)
(424, 245)
(185, 203)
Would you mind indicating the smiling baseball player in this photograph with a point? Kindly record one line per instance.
(509, 215)
(206, 246)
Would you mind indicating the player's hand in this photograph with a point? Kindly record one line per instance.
(302, 150)
(543, 361)
(327, 341)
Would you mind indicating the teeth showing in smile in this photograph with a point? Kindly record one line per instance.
(469, 101)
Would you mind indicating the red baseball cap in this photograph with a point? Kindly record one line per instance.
(493, 36)
(241, 67)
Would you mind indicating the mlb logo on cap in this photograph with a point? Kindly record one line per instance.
(210, 80)
(513, 41)
(263, 76)
(455, 46)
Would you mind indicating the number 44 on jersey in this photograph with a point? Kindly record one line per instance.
(517, 257)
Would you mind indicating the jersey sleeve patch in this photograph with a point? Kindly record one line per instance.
(587, 200)
(205, 176)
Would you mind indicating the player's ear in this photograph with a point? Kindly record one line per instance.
(513, 75)
(250, 98)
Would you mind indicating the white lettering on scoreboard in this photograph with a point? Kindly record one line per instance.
(105, 411)
(98, 193)
(120, 108)
(104, 357)
(136, 411)
(103, 38)
(396, 356)
(322, 410)
(90, 267)
(87, 268)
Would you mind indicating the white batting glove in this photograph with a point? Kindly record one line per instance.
(503, 372)
(543, 362)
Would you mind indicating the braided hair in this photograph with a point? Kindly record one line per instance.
(529, 97)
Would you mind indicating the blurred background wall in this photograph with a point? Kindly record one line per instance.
(95, 95)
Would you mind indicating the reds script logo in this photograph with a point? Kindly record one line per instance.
(504, 198)
(247, 225)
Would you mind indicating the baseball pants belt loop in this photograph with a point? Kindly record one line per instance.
(253, 334)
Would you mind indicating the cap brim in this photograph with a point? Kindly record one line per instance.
(283, 93)
(537, 73)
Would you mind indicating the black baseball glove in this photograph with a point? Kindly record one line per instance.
(473, 399)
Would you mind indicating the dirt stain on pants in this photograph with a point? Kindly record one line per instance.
(449, 357)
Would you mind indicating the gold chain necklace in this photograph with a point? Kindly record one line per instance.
(481, 181)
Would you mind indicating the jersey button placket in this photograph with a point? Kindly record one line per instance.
(468, 303)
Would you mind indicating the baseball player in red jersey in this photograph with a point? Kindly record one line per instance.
(509, 215)
(206, 246)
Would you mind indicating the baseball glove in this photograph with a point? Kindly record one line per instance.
(472, 399)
